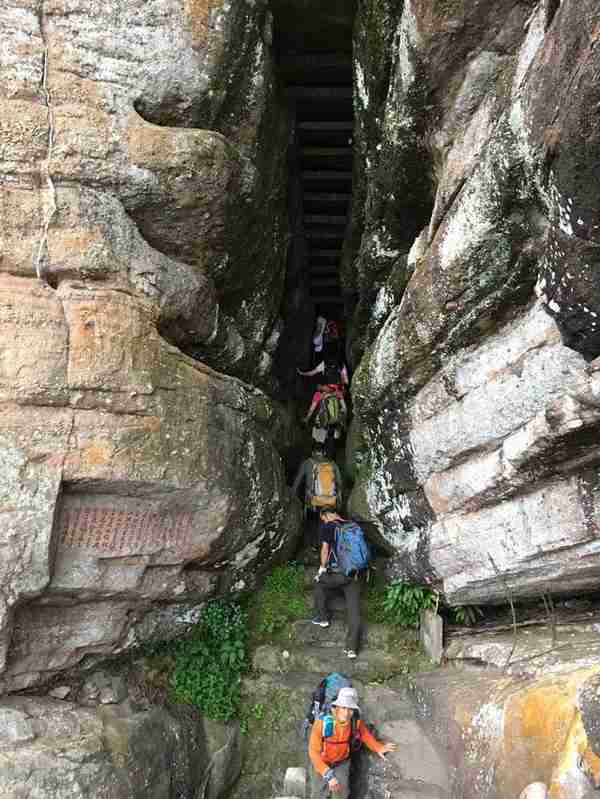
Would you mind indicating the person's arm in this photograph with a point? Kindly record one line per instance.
(312, 372)
(314, 748)
(371, 742)
(344, 373)
(324, 555)
(313, 406)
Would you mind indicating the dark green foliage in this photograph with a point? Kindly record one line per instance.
(281, 600)
(466, 614)
(404, 602)
(207, 665)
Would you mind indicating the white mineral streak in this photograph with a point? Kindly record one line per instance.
(381, 250)
(471, 221)
(408, 41)
(536, 30)
(383, 365)
(418, 248)
(384, 302)
(361, 87)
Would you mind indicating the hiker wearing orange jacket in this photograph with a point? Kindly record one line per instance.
(330, 754)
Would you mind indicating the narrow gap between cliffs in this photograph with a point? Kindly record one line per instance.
(313, 52)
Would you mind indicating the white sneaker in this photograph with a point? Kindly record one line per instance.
(320, 622)
(350, 654)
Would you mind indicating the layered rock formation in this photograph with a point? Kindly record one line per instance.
(135, 481)
(478, 389)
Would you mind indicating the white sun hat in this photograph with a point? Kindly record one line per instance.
(347, 697)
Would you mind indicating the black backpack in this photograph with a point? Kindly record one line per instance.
(332, 373)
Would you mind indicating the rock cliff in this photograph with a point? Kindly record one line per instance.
(143, 221)
(472, 264)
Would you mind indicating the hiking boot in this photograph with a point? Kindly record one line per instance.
(320, 622)
(350, 654)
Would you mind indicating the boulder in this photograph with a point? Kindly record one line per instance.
(53, 748)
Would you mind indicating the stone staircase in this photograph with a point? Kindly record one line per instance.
(283, 679)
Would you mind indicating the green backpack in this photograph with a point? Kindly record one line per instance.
(331, 412)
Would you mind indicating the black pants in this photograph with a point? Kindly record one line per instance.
(329, 583)
(311, 527)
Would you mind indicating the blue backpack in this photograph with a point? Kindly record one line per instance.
(351, 553)
(320, 707)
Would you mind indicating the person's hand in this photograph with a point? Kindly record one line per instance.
(389, 747)
(334, 786)
(321, 571)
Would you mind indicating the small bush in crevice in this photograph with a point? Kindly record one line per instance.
(206, 667)
(281, 600)
(403, 603)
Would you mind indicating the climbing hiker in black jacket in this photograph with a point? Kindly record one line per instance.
(328, 582)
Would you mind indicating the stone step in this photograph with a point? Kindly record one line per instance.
(326, 197)
(315, 234)
(370, 664)
(329, 254)
(327, 127)
(318, 283)
(327, 299)
(325, 219)
(375, 636)
(294, 782)
(320, 94)
(326, 176)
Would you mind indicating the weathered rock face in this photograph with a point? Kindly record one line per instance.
(135, 481)
(110, 176)
(60, 749)
(478, 395)
(131, 475)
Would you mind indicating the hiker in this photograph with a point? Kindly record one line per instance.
(322, 489)
(333, 370)
(318, 334)
(329, 579)
(330, 754)
(331, 414)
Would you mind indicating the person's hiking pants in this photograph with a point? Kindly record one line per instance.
(327, 584)
(311, 527)
(319, 789)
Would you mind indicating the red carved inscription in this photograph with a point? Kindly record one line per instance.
(124, 531)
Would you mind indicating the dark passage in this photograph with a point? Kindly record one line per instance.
(323, 154)
(314, 53)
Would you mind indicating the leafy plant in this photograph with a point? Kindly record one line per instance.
(404, 602)
(209, 663)
(466, 614)
(281, 600)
